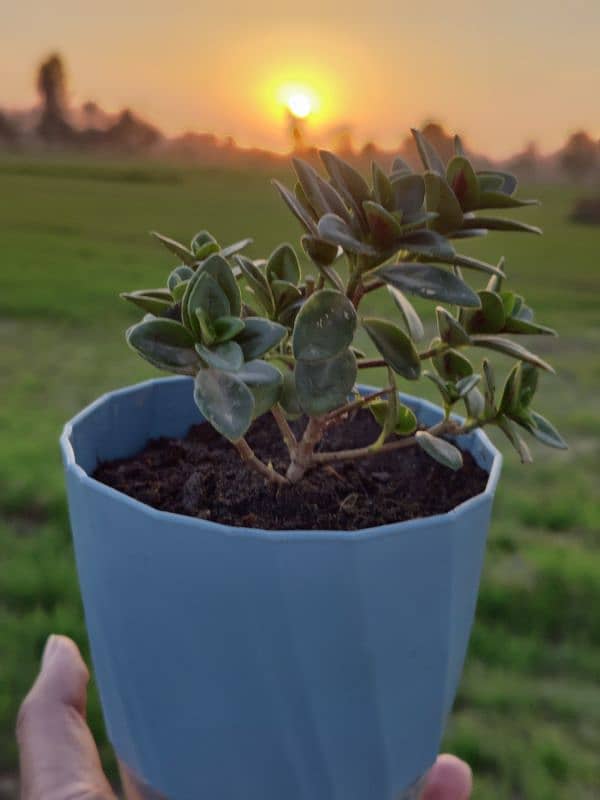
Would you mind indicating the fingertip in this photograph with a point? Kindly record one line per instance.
(449, 779)
(64, 674)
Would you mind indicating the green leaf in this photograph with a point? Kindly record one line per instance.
(544, 431)
(408, 194)
(324, 327)
(466, 385)
(179, 275)
(429, 244)
(496, 180)
(177, 248)
(450, 329)
(399, 166)
(165, 343)
(494, 224)
(509, 348)
(452, 365)
(411, 318)
(395, 346)
(473, 263)
(439, 449)
(258, 283)
(259, 336)
(463, 182)
(384, 227)
(382, 187)
(154, 301)
(529, 382)
(324, 385)
(521, 326)
(489, 199)
(203, 293)
(322, 253)
(490, 381)
(334, 230)
(288, 399)
(444, 387)
(442, 200)
(285, 294)
(458, 146)
(226, 328)
(511, 394)
(283, 265)
(224, 401)
(321, 195)
(404, 420)
(490, 318)
(511, 433)
(234, 248)
(349, 183)
(216, 266)
(264, 381)
(227, 355)
(475, 403)
(204, 244)
(429, 282)
(429, 155)
(296, 207)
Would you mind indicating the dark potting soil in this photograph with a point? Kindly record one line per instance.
(202, 475)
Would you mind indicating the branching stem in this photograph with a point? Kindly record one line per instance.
(286, 432)
(249, 457)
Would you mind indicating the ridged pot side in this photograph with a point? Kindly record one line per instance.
(235, 662)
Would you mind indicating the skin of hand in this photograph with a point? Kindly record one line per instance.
(58, 756)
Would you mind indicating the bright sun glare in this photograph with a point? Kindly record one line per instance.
(299, 104)
(299, 100)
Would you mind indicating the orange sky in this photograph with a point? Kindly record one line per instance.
(500, 71)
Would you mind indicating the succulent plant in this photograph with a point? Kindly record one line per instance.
(260, 336)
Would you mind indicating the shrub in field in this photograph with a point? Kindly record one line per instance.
(586, 211)
(258, 336)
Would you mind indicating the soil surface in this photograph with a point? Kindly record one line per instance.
(202, 475)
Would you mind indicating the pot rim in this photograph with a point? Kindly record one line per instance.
(193, 523)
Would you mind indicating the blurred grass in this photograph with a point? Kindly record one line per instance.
(74, 234)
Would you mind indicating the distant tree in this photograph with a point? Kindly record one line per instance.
(8, 131)
(526, 163)
(131, 134)
(52, 86)
(579, 156)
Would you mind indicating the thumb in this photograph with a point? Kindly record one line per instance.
(448, 779)
(58, 756)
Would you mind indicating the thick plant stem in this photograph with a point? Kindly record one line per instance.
(370, 450)
(249, 457)
(286, 432)
(304, 453)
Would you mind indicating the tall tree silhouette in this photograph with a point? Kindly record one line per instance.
(52, 86)
(579, 157)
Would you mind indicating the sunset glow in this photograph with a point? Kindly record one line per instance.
(335, 71)
(299, 104)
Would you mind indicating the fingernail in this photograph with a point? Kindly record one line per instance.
(49, 648)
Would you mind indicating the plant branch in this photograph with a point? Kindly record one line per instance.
(446, 426)
(304, 453)
(249, 457)
(362, 401)
(286, 432)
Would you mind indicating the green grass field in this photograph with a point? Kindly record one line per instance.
(72, 235)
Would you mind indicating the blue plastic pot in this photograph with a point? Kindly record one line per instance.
(239, 663)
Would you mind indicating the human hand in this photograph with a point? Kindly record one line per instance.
(59, 759)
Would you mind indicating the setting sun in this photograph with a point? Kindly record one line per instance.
(299, 100)
(299, 104)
